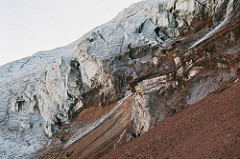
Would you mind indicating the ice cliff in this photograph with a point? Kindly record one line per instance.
(153, 48)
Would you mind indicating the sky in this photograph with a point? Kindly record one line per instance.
(29, 26)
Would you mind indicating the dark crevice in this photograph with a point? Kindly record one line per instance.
(156, 30)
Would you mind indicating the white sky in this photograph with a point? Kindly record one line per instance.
(28, 26)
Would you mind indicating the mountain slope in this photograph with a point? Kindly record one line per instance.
(21, 118)
(167, 54)
(166, 79)
(207, 129)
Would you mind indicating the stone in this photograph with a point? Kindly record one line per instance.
(153, 48)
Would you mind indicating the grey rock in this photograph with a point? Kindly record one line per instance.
(44, 91)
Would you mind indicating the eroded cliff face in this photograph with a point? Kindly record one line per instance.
(153, 48)
(167, 53)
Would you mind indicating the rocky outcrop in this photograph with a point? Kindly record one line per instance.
(168, 53)
(208, 128)
(146, 57)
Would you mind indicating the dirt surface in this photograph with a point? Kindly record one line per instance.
(95, 112)
(207, 129)
(111, 133)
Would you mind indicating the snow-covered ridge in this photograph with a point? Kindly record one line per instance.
(41, 92)
(21, 125)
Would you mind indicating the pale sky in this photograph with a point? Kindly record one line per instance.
(29, 26)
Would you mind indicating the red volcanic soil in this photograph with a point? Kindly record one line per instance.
(207, 129)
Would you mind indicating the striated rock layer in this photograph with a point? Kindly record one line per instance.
(209, 128)
(164, 54)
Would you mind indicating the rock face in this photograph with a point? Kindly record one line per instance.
(168, 53)
(208, 128)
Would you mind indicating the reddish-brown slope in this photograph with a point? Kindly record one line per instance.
(111, 133)
(207, 129)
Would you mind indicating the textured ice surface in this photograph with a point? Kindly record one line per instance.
(41, 91)
(21, 126)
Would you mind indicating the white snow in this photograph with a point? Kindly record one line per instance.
(21, 132)
(46, 73)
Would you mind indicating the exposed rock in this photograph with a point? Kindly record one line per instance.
(168, 53)
(209, 128)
